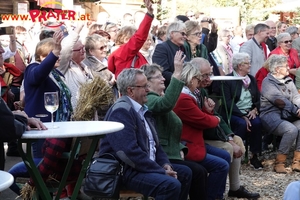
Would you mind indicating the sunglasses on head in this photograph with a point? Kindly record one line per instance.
(287, 41)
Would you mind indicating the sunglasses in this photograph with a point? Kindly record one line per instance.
(103, 47)
(287, 41)
(80, 49)
(182, 33)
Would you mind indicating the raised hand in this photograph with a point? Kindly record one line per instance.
(178, 64)
(57, 37)
(148, 5)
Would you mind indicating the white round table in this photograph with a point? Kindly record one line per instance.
(79, 130)
(226, 78)
(6, 179)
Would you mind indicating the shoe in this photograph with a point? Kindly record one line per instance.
(14, 153)
(243, 193)
(254, 162)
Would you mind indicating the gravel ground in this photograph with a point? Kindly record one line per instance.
(268, 183)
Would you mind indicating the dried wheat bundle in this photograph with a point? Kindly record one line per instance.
(94, 95)
(27, 192)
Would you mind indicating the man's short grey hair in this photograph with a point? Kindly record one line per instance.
(281, 36)
(260, 27)
(292, 30)
(200, 62)
(127, 78)
(188, 72)
(175, 26)
(275, 61)
(239, 58)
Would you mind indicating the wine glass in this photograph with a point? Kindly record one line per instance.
(51, 104)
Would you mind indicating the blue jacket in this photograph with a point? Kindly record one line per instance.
(164, 56)
(36, 82)
(131, 145)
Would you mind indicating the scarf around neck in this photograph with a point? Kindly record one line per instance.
(65, 109)
(246, 81)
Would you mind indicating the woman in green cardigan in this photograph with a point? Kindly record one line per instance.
(192, 46)
(168, 125)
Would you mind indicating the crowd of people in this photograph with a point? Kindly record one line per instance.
(176, 143)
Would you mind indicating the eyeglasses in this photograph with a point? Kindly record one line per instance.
(156, 77)
(198, 34)
(287, 41)
(102, 47)
(191, 16)
(80, 49)
(182, 33)
(273, 28)
(246, 63)
(141, 86)
(197, 79)
(205, 76)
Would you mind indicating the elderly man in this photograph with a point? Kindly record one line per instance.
(256, 47)
(147, 169)
(223, 137)
(271, 41)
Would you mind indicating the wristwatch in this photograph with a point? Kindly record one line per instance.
(230, 138)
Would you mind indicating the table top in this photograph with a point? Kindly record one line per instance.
(6, 179)
(74, 129)
(226, 78)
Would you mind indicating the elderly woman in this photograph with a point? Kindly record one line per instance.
(243, 97)
(224, 51)
(164, 52)
(71, 66)
(192, 45)
(169, 126)
(214, 160)
(280, 103)
(44, 76)
(96, 49)
(131, 41)
(284, 47)
(112, 29)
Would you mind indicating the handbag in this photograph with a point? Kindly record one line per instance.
(289, 116)
(103, 178)
(216, 133)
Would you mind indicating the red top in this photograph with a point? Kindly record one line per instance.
(260, 75)
(194, 122)
(293, 59)
(14, 71)
(124, 55)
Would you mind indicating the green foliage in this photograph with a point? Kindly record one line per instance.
(296, 19)
(250, 10)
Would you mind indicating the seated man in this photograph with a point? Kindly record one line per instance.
(227, 141)
(147, 169)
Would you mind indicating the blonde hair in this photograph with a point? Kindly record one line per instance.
(91, 41)
(125, 32)
(191, 25)
(43, 48)
(189, 71)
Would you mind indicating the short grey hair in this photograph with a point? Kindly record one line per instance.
(150, 70)
(199, 62)
(282, 35)
(260, 27)
(292, 30)
(175, 26)
(127, 78)
(188, 72)
(239, 58)
(276, 60)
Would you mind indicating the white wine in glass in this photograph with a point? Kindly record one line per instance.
(51, 104)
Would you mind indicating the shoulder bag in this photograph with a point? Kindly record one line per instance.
(103, 178)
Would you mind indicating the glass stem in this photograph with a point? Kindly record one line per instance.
(52, 120)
